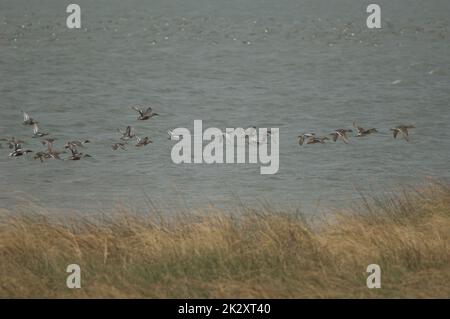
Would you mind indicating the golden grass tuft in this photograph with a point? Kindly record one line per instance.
(251, 254)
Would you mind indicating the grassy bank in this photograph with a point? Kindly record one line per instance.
(219, 254)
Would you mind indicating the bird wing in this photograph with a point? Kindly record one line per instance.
(301, 140)
(35, 129)
(404, 130)
(358, 128)
(137, 110)
(405, 133)
(335, 136)
(344, 137)
(395, 132)
(26, 117)
(148, 111)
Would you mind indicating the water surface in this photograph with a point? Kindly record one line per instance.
(295, 65)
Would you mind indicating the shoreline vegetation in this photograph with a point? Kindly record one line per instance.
(256, 253)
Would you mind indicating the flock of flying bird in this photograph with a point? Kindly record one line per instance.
(127, 135)
(312, 138)
(50, 153)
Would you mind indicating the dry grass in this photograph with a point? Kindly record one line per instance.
(216, 254)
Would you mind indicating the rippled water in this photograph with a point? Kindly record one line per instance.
(296, 65)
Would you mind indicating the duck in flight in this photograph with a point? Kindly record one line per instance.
(315, 140)
(305, 136)
(363, 132)
(116, 146)
(403, 130)
(76, 143)
(127, 134)
(144, 115)
(340, 133)
(142, 141)
(36, 132)
(172, 136)
(76, 155)
(27, 120)
(19, 151)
